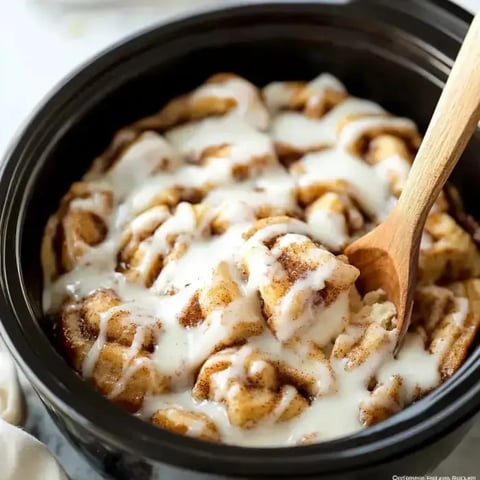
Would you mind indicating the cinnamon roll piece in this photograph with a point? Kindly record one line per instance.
(337, 171)
(185, 422)
(314, 98)
(335, 220)
(296, 134)
(296, 279)
(124, 374)
(228, 146)
(222, 314)
(249, 386)
(81, 222)
(357, 132)
(159, 239)
(222, 94)
(392, 159)
(370, 334)
(451, 320)
(385, 400)
(104, 310)
(133, 158)
(447, 252)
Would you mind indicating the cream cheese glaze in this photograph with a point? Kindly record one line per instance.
(286, 304)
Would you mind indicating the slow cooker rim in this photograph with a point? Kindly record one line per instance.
(188, 445)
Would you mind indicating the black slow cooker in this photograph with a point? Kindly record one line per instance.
(398, 53)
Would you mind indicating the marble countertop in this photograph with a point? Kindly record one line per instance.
(40, 42)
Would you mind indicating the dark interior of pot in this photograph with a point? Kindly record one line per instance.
(401, 69)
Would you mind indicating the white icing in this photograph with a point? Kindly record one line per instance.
(239, 202)
(92, 357)
(279, 95)
(330, 323)
(142, 159)
(245, 142)
(329, 228)
(461, 311)
(367, 187)
(415, 365)
(304, 133)
(329, 416)
(441, 344)
(426, 242)
(394, 170)
(318, 86)
(205, 252)
(358, 127)
(248, 105)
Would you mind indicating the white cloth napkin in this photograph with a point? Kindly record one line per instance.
(22, 457)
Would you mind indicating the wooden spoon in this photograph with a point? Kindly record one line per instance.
(387, 257)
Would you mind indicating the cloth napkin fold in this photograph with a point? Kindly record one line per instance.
(22, 457)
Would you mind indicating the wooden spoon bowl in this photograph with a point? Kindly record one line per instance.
(387, 257)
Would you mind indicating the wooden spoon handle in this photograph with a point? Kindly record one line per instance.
(453, 123)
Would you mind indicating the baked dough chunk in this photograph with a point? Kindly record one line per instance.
(392, 159)
(223, 315)
(451, 319)
(221, 94)
(296, 278)
(386, 400)
(155, 238)
(300, 106)
(370, 333)
(226, 145)
(335, 220)
(185, 422)
(104, 311)
(314, 98)
(316, 115)
(133, 157)
(249, 386)
(81, 222)
(448, 252)
(357, 132)
(124, 374)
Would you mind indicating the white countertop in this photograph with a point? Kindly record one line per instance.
(40, 42)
